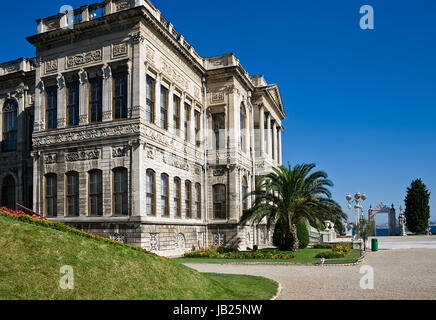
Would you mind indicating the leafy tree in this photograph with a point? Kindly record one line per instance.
(287, 245)
(289, 195)
(365, 228)
(417, 207)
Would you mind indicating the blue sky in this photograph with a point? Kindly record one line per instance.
(361, 104)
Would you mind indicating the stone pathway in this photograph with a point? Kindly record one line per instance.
(398, 274)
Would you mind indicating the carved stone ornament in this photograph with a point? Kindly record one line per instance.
(122, 5)
(51, 66)
(119, 152)
(173, 74)
(137, 37)
(119, 50)
(85, 135)
(217, 97)
(84, 58)
(82, 156)
(50, 158)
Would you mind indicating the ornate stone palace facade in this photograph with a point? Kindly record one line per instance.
(120, 128)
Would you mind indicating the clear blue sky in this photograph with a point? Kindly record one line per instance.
(360, 104)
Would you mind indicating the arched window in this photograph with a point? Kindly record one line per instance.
(188, 199)
(120, 196)
(177, 197)
(96, 193)
(198, 200)
(8, 192)
(72, 193)
(244, 194)
(243, 125)
(51, 189)
(219, 201)
(165, 199)
(10, 119)
(151, 193)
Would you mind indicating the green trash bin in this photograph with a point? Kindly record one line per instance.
(374, 244)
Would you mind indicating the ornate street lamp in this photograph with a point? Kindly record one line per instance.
(358, 199)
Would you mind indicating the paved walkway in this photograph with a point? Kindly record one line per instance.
(398, 274)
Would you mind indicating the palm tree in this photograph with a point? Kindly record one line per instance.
(289, 195)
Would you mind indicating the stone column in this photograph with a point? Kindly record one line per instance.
(280, 159)
(268, 135)
(182, 116)
(262, 130)
(171, 128)
(83, 98)
(274, 138)
(107, 93)
(157, 100)
(134, 112)
(39, 107)
(191, 125)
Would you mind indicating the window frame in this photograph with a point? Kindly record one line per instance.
(153, 194)
(99, 102)
(150, 101)
(165, 198)
(223, 203)
(75, 197)
(123, 98)
(198, 199)
(124, 194)
(188, 199)
(178, 197)
(72, 105)
(244, 194)
(95, 195)
(10, 116)
(164, 93)
(50, 196)
(176, 112)
(51, 107)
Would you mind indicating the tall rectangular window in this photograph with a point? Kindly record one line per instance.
(219, 201)
(96, 99)
(73, 104)
(272, 143)
(149, 107)
(120, 96)
(96, 193)
(120, 196)
(163, 107)
(218, 120)
(242, 122)
(198, 200)
(197, 128)
(51, 113)
(150, 190)
(187, 120)
(72, 194)
(51, 187)
(177, 198)
(176, 116)
(188, 199)
(165, 195)
(10, 122)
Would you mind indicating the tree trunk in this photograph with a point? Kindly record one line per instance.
(296, 244)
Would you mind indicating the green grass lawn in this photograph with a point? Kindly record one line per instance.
(301, 256)
(31, 258)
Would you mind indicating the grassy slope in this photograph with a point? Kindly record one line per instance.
(301, 256)
(31, 258)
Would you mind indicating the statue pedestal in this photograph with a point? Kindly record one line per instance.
(328, 236)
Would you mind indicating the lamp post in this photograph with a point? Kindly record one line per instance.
(358, 199)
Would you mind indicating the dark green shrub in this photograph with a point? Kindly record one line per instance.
(303, 235)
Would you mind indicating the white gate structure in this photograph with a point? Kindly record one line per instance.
(382, 208)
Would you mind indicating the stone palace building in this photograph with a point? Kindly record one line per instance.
(118, 127)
